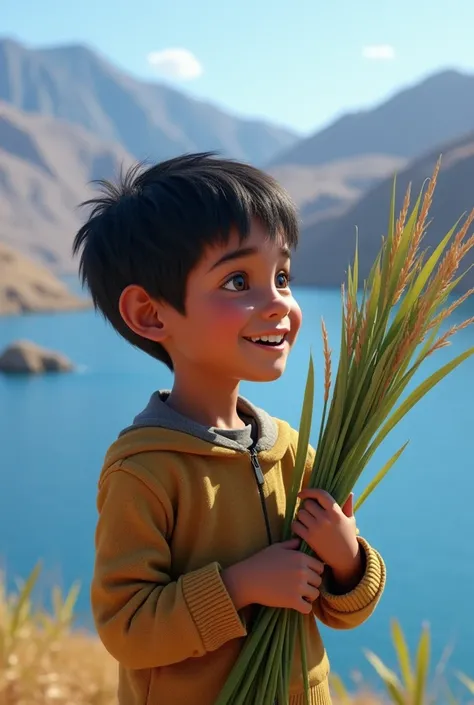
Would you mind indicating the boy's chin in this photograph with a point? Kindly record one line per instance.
(268, 375)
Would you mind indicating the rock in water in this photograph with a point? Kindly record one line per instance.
(23, 356)
(28, 287)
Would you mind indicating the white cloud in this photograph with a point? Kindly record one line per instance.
(175, 63)
(378, 52)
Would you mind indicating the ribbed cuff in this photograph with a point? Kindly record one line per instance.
(318, 695)
(367, 590)
(211, 607)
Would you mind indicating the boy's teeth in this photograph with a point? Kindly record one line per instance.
(268, 339)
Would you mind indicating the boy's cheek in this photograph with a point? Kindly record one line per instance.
(228, 316)
(296, 318)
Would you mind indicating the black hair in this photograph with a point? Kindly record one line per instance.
(151, 227)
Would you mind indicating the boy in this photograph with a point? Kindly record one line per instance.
(190, 261)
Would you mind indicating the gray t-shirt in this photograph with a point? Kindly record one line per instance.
(245, 437)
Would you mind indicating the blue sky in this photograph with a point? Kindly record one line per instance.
(299, 64)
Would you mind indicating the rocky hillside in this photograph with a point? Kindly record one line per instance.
(327, 189)
(412, 122)
(150, 121)
(330, 170)
(45, 168)
(328, 246)
(27, 287)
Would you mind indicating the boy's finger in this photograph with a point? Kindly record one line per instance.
(316, 565)
(348, 508)
(312, 508)
(291, 544)
(321, 496)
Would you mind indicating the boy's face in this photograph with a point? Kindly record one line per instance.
(241, 318)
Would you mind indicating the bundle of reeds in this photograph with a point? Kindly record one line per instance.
(387, 332)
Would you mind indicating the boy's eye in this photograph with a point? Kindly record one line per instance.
(238, 282)
(282, 280)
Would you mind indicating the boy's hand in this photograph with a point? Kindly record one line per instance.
(277, 576)
(331, 533)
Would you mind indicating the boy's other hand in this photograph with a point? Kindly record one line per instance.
(330, 530)
(277, 576)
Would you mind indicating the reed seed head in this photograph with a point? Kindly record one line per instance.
(327, 361)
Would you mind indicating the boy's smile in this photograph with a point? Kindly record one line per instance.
(274, 340)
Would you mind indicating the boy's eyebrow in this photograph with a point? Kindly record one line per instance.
(245, 252)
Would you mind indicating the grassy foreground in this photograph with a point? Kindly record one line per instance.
(44, 661)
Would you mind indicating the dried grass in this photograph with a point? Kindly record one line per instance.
(43, 661)
(73, 670)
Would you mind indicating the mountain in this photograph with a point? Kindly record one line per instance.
(46, 164)
(328, 247)
(327, 189)
(150, 120)
(69, 116)
(26, 286)
(344, 173)
(329, 171)
(45, 168)
(412, 122)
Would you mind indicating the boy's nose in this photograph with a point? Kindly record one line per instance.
(276, 306)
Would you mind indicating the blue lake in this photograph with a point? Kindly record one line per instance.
(54, 431)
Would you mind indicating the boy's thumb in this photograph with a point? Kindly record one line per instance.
(291, 544)
(348, 508)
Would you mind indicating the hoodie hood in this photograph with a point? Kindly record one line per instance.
(159, 415)
(159, 427)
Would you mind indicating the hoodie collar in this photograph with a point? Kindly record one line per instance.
(158, 414)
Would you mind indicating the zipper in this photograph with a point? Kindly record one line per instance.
(257, 470)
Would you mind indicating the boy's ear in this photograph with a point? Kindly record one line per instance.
(142, 314)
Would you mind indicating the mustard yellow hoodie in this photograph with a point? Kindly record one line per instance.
(178, 503)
